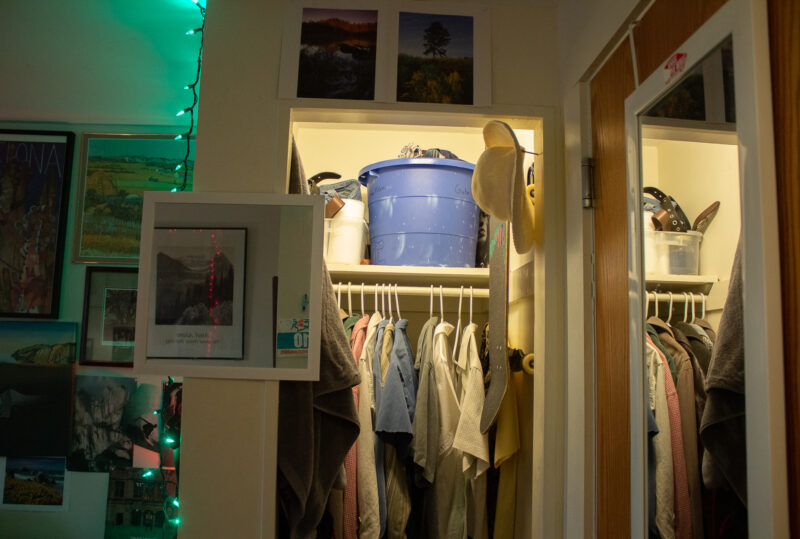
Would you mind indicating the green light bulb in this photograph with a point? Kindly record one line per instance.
(178, 137)
(170, 440)
(178, 167)
(181, 113)
(175, 502)
(148, 473)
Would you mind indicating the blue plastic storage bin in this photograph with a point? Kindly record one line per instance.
(421, 212)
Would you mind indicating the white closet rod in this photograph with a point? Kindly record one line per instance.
(422, 291)
(677, 297)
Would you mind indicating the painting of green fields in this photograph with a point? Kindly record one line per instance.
(118, 171)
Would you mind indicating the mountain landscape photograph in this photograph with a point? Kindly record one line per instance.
(337, 54)
(194, 289)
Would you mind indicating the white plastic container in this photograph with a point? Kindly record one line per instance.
(673, 253)
(345, 239)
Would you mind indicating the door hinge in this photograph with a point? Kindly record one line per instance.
(587, 179)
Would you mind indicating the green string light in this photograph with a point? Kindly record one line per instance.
(190, 109)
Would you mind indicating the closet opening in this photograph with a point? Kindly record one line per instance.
(344, 142)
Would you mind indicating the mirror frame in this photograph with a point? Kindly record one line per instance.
(746, 22)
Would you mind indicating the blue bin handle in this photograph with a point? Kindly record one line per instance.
(365, 178)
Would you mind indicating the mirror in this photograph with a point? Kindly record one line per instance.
(701, 205)
(691, 221)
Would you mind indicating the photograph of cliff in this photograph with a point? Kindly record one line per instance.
(435, 58)
(36, 371)
(100, 440)
(337, 53)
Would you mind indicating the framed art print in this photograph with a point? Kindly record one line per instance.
(115, 170)
(199, 279)
(230, 286)
(35, 168)
(109, 317)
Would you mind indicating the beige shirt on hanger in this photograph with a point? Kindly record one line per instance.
(446, 502)
(468, 438)
(662, 446)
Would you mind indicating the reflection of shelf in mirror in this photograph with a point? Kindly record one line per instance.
(661, 282)
(410, 275)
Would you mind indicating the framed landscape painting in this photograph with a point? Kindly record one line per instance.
(35, 168)
(109, 317)
(116, 169)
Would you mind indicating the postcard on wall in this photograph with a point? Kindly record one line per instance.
(138, 506)
(198, 276)
(109, 316)
(35, 167)
(100, 440)
(115, 170)
(36, 371)
(34, 484)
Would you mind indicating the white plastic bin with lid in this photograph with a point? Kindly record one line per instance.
(346, 234)
(673, 253)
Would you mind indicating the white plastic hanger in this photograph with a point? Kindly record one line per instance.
(349, 299)
(646, 304)
(693, 311)
(655, 302)
(376, 300)
(397, 303)
(441, 304)
(458, 324)
(383, 300)
(391, 314)
(703, 315)
(339, 296)
(669, 316)
(470, 305)
(685, 306)
(363, 311)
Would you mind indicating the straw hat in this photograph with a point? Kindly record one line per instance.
(498, 184)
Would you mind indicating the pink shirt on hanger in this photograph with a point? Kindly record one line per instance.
(350, 506)
(683, 507)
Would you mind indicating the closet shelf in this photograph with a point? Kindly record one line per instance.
(410, 275)
(658, 282)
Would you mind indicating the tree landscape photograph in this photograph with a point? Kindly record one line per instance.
(337, 53)
(435, 58)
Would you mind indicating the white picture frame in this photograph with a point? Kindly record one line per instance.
(280, 279)
(199, 279)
